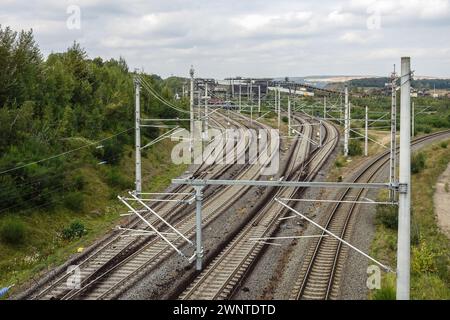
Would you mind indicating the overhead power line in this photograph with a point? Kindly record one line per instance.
(65, 153)
(158, 97)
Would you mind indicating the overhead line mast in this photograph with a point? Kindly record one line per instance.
(138, 182)
(404, 209)
(393, 156)
(191, 104)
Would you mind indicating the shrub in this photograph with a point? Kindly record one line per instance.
(418, 162)
(444, 144)
(285, 119)
(79, 182)
(13, 232)
(385, 293)
(387, 216)
(415, 233)
(423, 258)
(74, 201)
(354, 148)
(116, 180)
(112, 152)
(75, 230)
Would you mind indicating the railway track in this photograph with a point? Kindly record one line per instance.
(221, 277)
(125, 273)
(120, 246)
(107, 282)
(322, 270)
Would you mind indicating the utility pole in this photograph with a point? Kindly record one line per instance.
(412, 120)
(279, 107)
(191, 141)
(349, 117)
(346, 123)
(404, 202)
(199, 103)
(240, 93)
(366, 137)
(393, 154)
(205, 130)
(289, 116)
(232, 88)
(275, 101)
(137, 117)
(259, 100)
(320, 133)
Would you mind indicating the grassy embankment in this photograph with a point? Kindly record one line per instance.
(430, 248)
(41, 243)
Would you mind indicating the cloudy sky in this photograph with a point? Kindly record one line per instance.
(246, 37)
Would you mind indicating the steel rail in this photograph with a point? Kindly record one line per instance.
(373, 167)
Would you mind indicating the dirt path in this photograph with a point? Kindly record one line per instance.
(442, 201)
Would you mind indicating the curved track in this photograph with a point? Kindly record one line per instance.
(120, 246)
(220, 278)
(321, 271)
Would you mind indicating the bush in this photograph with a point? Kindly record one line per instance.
(112, 152)
(74, 201)
(116, 180)
(444, 144)
(79, 182)
(418, 162)
(285, 119)
(339, 163)
(415, 232)
(354, 148)
(75, 230)
(424, 258)
(387, 215)
(12, 232)
(385, 293)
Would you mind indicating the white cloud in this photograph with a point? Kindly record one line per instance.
(235, 37)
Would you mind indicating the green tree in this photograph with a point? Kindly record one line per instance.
(67, 126)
